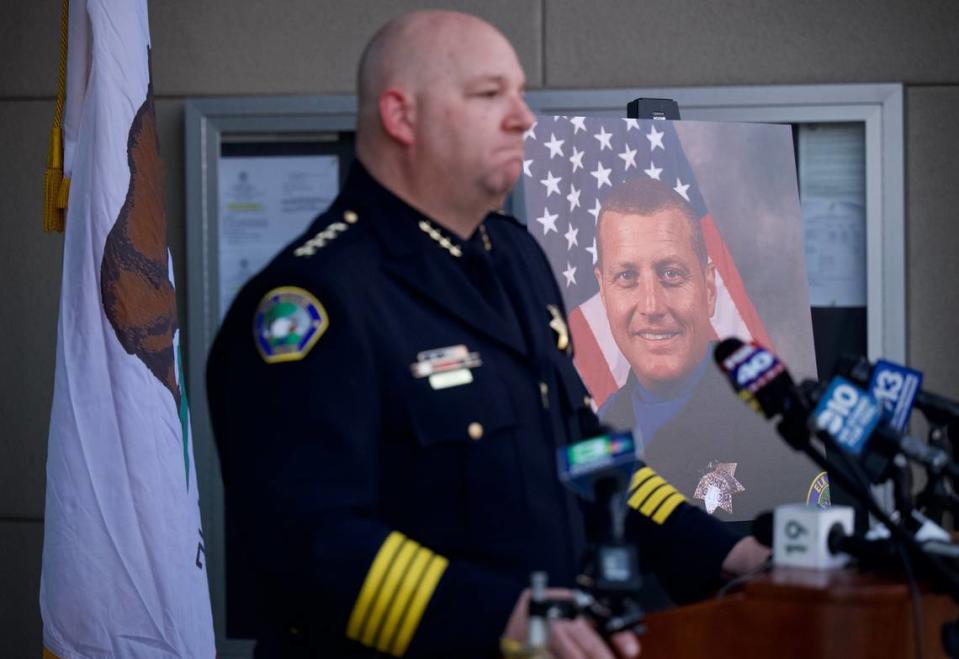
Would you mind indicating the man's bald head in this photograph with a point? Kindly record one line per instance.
(410, 50)
(442, 115)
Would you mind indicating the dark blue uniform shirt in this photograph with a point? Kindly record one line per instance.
(387, 418)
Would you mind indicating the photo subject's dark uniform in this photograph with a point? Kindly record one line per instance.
(391, 484)
(714, 427)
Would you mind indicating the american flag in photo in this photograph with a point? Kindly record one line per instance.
(569, 164)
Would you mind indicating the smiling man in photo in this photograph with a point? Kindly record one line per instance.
(659, 290)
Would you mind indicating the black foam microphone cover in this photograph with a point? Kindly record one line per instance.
(762, 528)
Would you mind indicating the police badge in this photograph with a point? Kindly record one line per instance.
(716, 489)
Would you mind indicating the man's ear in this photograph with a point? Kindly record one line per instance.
(598, 273)
(710, 287)
(398, 115)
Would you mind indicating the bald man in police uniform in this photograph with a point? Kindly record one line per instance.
(388, 394)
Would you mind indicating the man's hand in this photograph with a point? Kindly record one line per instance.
(570, 639)
(745, 557)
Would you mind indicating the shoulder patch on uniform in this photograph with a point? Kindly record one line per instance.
(287, 324)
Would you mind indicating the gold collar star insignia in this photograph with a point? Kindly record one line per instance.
(558, 325)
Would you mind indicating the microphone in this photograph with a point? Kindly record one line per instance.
(762, 528)
(877, 464)
(876, 553)
(899, 385)
(598, 469)
(588, 464)
(899, 389)
(763, 382)
(802, 536)
(851, 417)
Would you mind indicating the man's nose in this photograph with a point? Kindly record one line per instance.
(651, 301)
(520, 117)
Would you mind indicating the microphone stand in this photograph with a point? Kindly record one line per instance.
(608, 587)
(858, 486)
(611, 575)
(939, 496)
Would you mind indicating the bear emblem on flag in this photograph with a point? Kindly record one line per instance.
(138, 296)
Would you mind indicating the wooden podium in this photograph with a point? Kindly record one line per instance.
(802, 614)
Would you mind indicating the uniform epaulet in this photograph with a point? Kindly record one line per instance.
(324, 237)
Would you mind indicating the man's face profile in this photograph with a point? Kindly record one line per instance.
(657, 293)
(472, 114)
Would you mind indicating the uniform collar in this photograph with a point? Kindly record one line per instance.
(419, 259)
(401, 227)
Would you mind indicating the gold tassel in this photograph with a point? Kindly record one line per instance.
(53, 183)
(64, 195)
(56, 188)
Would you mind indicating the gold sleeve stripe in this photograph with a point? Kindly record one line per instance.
(637, 499)
(656, 498)
(639, 477)
(394, 595)
(669, 505)
(385, 595)
(403, 594)
(424, 591)
(383, 559)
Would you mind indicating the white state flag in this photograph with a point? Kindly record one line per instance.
(124, 572)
